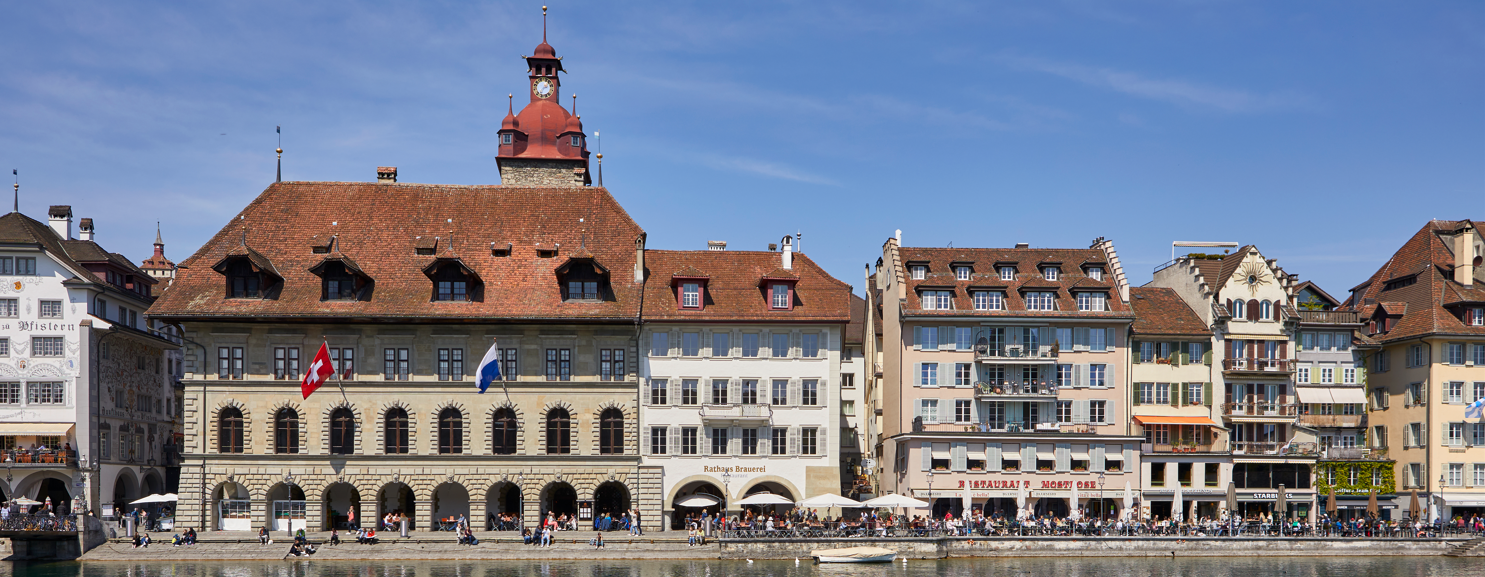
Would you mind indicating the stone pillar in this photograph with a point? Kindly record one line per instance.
(476, 512)
(314, 514)
(260, 509)
(649, 498)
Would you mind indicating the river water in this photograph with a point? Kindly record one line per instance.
(1021, 567)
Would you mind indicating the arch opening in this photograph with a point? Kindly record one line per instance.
(232, 507)
(683, 514)
(450, 503)
(503, 505)
(341, 508)
(558, 499)
(286, 508)
(610, 504)
(396, 499)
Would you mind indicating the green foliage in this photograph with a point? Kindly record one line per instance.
(1204, 256)
(1363, 484)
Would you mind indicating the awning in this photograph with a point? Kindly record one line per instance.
(1349, 395)
(941, 451)
(1315, 395)
(1113, 456)
(1047, 455)
(1163, 420)
(36, 429)
(1081, 456)
(1470, 501)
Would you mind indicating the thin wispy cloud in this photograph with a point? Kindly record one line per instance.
(1175, 91)
(763, 168)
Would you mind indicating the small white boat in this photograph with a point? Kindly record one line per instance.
(854, 555)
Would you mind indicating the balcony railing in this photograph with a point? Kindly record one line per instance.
(25, 458)
(741, 412)
(1330, 317)
(1267, 448)
(1258, 365)
(1183, 447)
(1013, 353)
(1330, 421)
(1260, 409)
(1355, 453)
(1008, 389)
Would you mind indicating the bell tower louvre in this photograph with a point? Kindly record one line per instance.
(544, 145)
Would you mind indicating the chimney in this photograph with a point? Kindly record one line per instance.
(1023, 245)
(639, 258)
(788, 244)
(60, 217)
(1464, 256)
(386, 174)
(716, 245)
(899, 237)
(85, 229)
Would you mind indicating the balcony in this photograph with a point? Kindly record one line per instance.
(1258, 365)
(737, 413)
(1330, 317)
(27, 459)
(1160, 448)
(1267, 448)
(1355, 453)
(1015, 354)
(1038, 390)
(1261, 409)
(1331, 421)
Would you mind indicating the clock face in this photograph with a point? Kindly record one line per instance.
(542, 88)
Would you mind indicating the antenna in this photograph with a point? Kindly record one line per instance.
(600, 158)
(17, 173)
(279, 130)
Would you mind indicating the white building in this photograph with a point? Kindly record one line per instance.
(740, 383)
(85, 395)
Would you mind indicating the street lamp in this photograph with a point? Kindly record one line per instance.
(930, 492)
(1103, 507)
(1440, 514)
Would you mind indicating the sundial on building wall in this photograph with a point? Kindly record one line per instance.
(1253, 275)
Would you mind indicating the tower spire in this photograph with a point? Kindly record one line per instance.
(17, 206)
(543, 24)
(279, 130)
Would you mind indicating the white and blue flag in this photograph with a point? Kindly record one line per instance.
(1474, 410)
(489, 370)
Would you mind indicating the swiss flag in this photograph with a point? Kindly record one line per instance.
(319, 370)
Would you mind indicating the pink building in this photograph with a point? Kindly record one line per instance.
(1005, 378)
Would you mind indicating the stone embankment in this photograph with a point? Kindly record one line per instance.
(418, 547)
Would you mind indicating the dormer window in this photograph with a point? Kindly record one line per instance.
(919, 271)
(582, 280)
(452, 281)
(989, 301)
(1049, 273)
(1007, 273)
(691, 295)
(1095, 273)
(339, 284)
(961, 273)
(779, 296)
(1476, 316)
(1040, 301)
(248, 274)
(546, 253)
(937, 300)
(577, 141)
(243, 282)
(505, 138)
(1093, 302)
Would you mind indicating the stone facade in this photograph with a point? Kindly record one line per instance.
(536, 172)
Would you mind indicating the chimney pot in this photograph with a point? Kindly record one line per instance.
(1023, 245)
(60, 219)
(386, 174)
(788, 260)
(772, 247)
(85, 229)
(716, 245)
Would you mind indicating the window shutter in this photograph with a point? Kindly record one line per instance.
(926, 449)
(1182, 397)
(1080, 411)
(1206, 394)
(1096, 456)
(1013, 412)
(645, 396)
(1108, 339)
(1128, 456)
(917, 338)
(1134, 394)
(974, 411)
(794, 392)
(734, 392)
(794, 440)
(993, 460)
(705, 440)
(1110, 412)
(1028, 456)
(1252, 309)
(644, 441)
(1080, 375)
(1064, 457)
(946, 341)
(706, 344)
(1422, 435)
(734, 440)
(917, 376)
(1048, 334)
(674, 344)
(1080, 339)
(960, 457)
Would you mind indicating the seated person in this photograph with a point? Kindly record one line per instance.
(526, 536)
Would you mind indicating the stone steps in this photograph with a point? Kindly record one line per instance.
(1466, 549)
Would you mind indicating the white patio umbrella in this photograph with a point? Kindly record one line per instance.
(1128, 501)
(1073, 514)
(24, 502)
(894, 500)
(1020, 503)
(698, 501)
(764, 499)
(152, 498)
(829, 500)
(969, 501)
(171, 497)
(1176, 512)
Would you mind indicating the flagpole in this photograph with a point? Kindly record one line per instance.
(338, 382)
(499, 358)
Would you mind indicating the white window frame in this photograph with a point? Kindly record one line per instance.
(1041, 301)
(961, 273)
(691, 295)
(1008, 273)
(1049, 273)
(918, 271)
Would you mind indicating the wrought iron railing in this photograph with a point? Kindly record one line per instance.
(42, 522)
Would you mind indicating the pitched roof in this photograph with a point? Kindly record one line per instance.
(378, 224)
(1314, 288)
(856, 329)
(940, 275)
(1427, 258)
(17, 228)
(732, 288)
(1160, 311)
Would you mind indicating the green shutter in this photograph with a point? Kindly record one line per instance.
(1206, 393)
(1134, 394)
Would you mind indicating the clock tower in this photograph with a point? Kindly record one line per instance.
(544, 145)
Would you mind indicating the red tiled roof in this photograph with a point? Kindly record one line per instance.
(941, 276)
(1428, 256)
(1160, 311)
(856, 329)
(379, 225)
(733, 292)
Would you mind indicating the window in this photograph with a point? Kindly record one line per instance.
(1239, 310)
(1064, 376)
(919, 271)
(342, 432)
(286, 363)
(10, 308)
(719, 441)
(559, 364)
(809, 441)
(719, 391)
(963, 374)
(689, 445)
(963, 339)
(450, 364)
(1193, 393)
(102, 444)
(688, 391)
(1454, 392)
(1456, 474)
(928, 374)
(7, 266)
(1095, 273)
(927, 338)
(658, 437)
(343, 360)
(1093, 302)
(451, 284)
(1478, 354)
(721, 344)
(1454, 353)
(1475, 316)
(25, 266)
(1348, 375)
(1097, 408)
(659, 344)
(1456, 435)
(505, 138)
(750, 345)
(49, 393)
(1162, 393)
(51, 309)
(810, 345)
(559, 432)
(509, 370)
(1064, 412)
(1039, 301)
(611, 365)
(1415, 356)
(1477, 434)
(242, 280)
(929, 411)
(780, 299)
(809, 393)
(848, 408)
(339, 284)
(229, 431)
(749, 393)
(1147, 393)
(1097, 376)
(1415, 474)
(780, 347)
(750, 441)
(961, 273)
(1479, 476)
(1265, 310)
(46, 346)
(396, 365)
(1049, 273)
(611, 432)
(848, 380)
(1302, 374)
(503, 432)
(1415, 435)
(1159, 435)
(780, 392)
(658, 392)
(450, 431)
(1327, 375)
(779, 441)
(577, 140)
(690, 344)
(10, 393)
(394, 430)
(1008, 273)
(1147, 352)
(286, 431)
(938, 300)
(989, 301)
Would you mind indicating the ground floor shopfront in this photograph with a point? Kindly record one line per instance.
(723, 485)
(323, 493)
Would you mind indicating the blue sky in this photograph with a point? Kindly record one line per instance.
(1324, 132)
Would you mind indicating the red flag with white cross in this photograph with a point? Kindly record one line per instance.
(319, 370)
